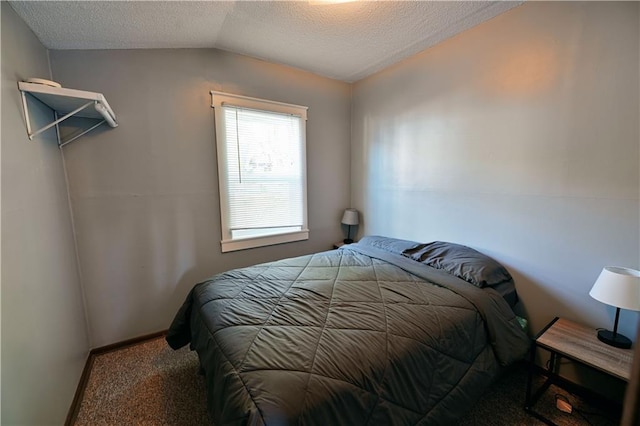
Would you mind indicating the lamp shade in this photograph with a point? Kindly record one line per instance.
(350, 217)
(619, 287)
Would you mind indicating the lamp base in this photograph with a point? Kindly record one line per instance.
(347, 241)
(619, 341)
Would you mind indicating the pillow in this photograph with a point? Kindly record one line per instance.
(461, 261)
(392, 245)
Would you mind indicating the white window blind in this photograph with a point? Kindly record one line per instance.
(262, 171)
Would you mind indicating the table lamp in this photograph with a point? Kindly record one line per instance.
(349, 218)
(619, 287)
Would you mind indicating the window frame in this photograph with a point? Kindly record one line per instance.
(227, 242)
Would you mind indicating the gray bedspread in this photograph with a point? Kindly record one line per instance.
(360, 335)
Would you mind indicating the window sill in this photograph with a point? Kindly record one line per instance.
(269, 240)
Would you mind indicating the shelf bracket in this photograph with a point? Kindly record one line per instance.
(62, 143)
(94, 100)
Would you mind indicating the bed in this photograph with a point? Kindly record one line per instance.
(381, 332)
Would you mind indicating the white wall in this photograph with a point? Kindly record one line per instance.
(520, 138)
(145, 195)
(44, 335)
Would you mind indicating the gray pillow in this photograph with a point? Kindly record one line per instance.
(392, 245)
(462, 261)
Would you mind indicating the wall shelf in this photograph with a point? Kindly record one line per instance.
(66, 103)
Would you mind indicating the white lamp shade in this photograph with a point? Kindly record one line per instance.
(619, 287)
(350, 217)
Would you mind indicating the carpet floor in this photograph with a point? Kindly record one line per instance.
(151, 384)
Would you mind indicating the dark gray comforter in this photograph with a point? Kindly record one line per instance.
(360, 335)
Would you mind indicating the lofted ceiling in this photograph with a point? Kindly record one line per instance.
(345, 41)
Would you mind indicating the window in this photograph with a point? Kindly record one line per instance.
(262, 171)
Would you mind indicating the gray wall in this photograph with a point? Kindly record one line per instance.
(145, 195)
(519, 138)
(44, 334)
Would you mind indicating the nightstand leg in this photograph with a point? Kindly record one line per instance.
(532, 357)
(531, 398)
(553, 361)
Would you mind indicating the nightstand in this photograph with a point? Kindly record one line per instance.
(579, 343)
(339, 244)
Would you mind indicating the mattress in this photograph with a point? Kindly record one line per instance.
(359, 335)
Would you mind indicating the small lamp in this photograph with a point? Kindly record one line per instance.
(619, 287)
(349, 218)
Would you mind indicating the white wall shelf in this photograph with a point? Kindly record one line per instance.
(66, 103)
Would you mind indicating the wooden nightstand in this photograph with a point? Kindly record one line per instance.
(564, 338)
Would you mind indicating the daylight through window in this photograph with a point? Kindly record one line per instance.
(262, 171)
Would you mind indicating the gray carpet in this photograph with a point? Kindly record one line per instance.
(151, 384)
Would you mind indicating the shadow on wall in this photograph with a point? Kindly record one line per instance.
(531, 291)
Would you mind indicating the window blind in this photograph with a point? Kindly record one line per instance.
(265, 171)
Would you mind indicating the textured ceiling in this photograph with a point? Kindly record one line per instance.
(345, 41)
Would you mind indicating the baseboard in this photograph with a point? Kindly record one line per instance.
(86, 372)
(125, 343)
(77, 398)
